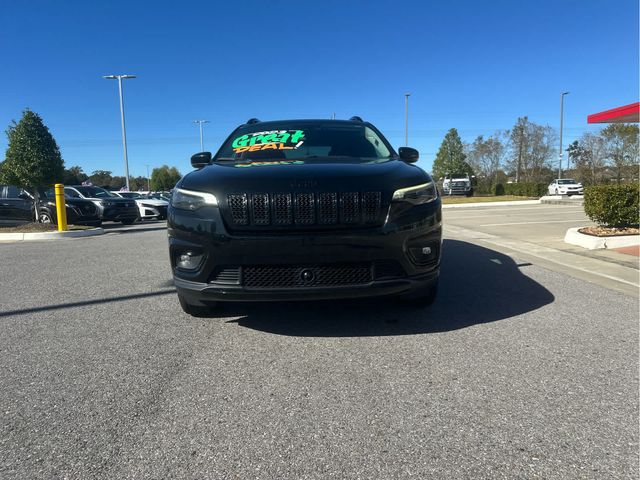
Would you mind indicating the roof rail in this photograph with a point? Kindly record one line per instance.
(251, 121)
(355, 118)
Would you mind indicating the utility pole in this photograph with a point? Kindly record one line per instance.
(521, 128)
(124, 130)
(561, 125)
(148, 179)
(200, 122)
(406, 119)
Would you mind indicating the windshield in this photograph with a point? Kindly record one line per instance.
(94, 192)
(566, 181)
(303, 140)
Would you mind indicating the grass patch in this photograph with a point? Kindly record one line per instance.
(448, 200)
(39, 227)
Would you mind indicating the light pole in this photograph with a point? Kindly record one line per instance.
(200, 122)
(406, 119)
(561, 125)
(148, 179)
(124, 130)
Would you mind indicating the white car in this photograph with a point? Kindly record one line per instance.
(565, 186)
(149, 207)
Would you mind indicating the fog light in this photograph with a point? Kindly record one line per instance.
(424, 255)
(188, 260)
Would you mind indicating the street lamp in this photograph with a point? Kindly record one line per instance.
(124, 131)
(561, 125)
(406, 119)
(200, 122)
(148, 178)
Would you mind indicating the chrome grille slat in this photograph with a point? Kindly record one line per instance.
(239, 208)
(305, 209)
(282, 214)
(350, 207)
(260, 210)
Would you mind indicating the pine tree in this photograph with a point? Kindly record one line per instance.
(450, 157)
(33, 158)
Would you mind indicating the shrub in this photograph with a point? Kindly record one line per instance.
(526, 189)
(498, 190)
(613, 205)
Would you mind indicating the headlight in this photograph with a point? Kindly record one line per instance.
(190, 200)
(417, 194)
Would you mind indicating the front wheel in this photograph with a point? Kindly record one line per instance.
(194, 310)
(45, 217)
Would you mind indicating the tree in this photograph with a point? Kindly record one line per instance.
(621, 147)
(164, 178)
(33, 158)
(450, 157)
(74, 176)
(588, 156)
(532, 150)
(101, 178)
(486, 158)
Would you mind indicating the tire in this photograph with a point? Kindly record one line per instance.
(556, 191)
(422, 297)
(129, 221)
(195, 310)
(44, 217)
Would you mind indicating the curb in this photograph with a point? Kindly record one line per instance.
(562, 200)
(574, 237)
(492, 204)
(18, 237)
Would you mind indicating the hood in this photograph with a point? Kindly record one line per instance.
(316, 174)
(152, 201)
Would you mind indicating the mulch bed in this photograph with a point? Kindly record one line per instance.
(38, 227)
(609, 232)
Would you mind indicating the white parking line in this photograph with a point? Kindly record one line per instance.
(532, 223)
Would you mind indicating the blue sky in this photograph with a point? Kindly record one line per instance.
(473, 65)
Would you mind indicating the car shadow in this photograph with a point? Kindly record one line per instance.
(477, 285)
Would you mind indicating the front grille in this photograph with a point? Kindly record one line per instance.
(226, 275)
(300, 276)
(304, 209)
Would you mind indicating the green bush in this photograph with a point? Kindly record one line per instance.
(498, 190)
(526, 189)
(613, 205)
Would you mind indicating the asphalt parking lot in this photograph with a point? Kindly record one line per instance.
(517, 371)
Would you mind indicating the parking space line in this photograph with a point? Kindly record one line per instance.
(532, 223)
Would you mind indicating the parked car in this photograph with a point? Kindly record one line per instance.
(111, 206)
(149, 207)
(79, 211)
(16, 206)
(565, 186)
(457, 184)
(302, 210)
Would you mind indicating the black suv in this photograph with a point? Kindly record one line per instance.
(18, 206)
(110, 206)
(304, 209)
(79, 211)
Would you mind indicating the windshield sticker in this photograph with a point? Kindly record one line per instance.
(264, 164)
(271, 140)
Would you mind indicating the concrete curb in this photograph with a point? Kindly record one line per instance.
(18, 237)
(562, 200)
(574, 237)
(492, 204)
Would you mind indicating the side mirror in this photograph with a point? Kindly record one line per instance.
(201, 159)
(408, 154)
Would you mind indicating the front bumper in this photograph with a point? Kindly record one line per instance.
(399, 244)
